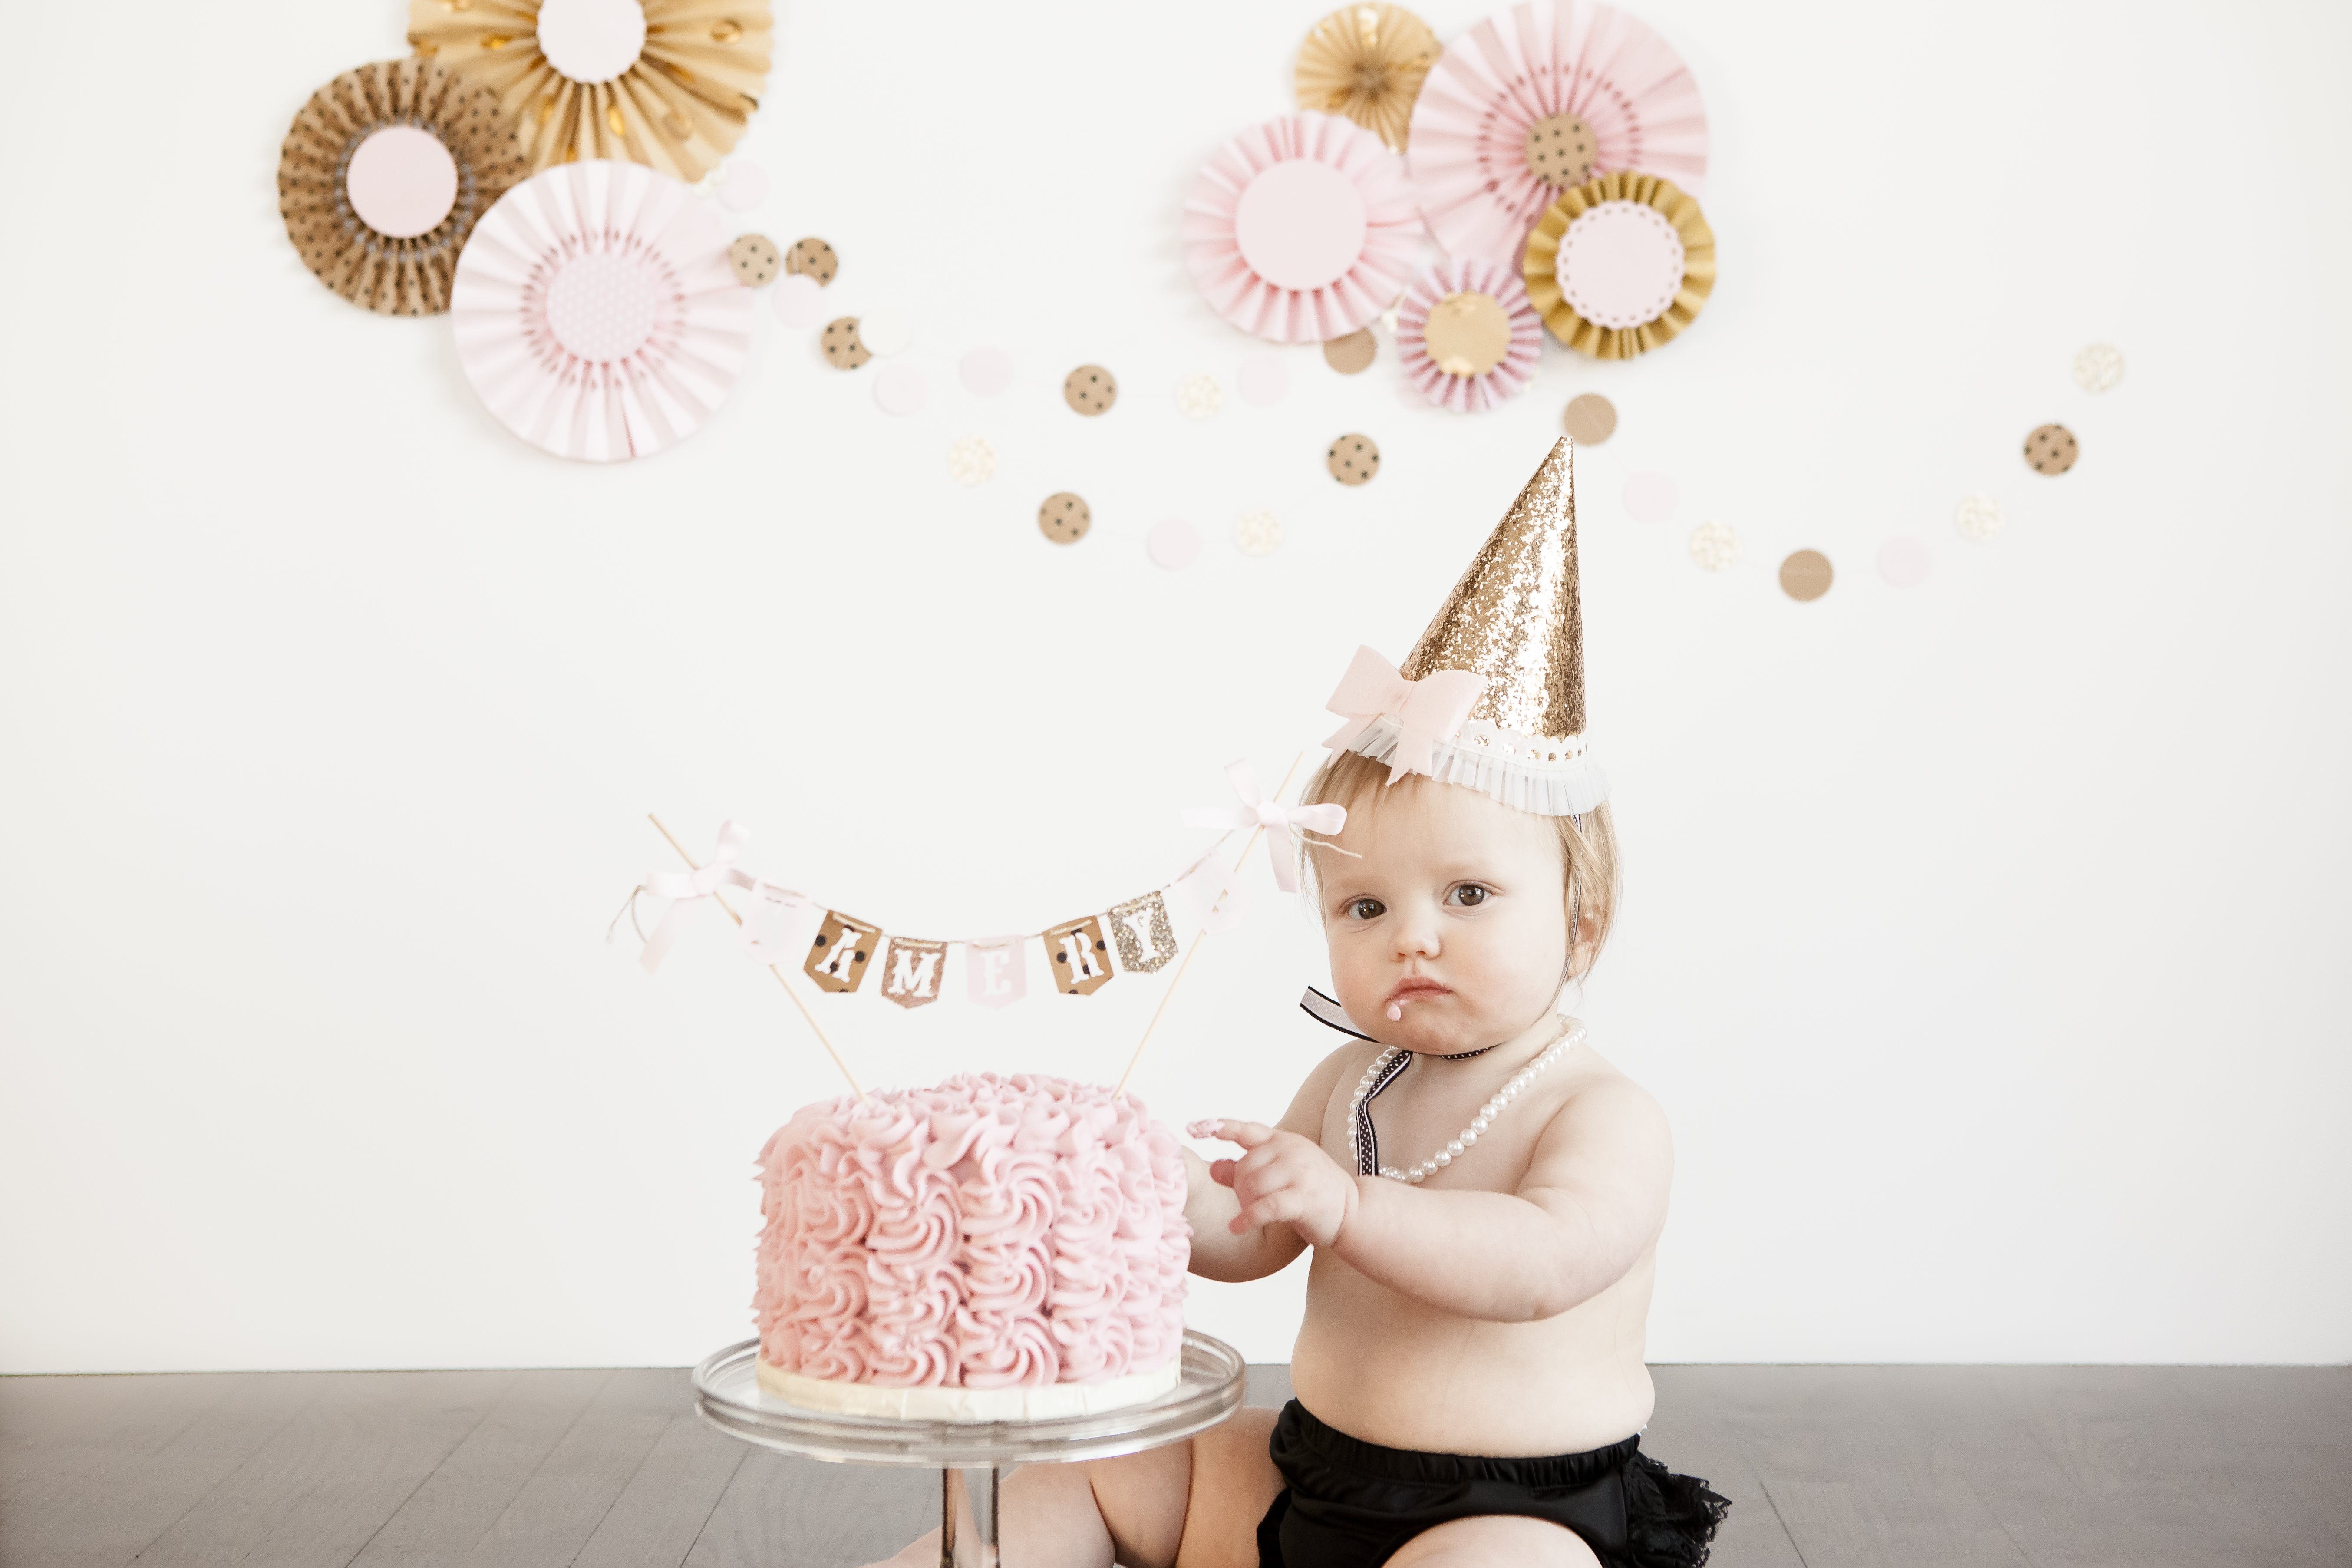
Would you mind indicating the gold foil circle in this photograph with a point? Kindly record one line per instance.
(1367, 63)
(1469, 333)
(1559, 150)
(1515, 617)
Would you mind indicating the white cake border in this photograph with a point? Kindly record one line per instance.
(1034, 1403)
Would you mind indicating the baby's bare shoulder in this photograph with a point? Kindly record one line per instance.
(1602, 1116)
(1330, 1079)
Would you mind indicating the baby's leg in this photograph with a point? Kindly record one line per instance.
(1496, 1540)
(1188, 1505)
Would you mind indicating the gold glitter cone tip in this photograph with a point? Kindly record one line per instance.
(1515, 617)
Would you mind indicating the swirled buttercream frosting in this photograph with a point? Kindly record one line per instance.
(995, 1248)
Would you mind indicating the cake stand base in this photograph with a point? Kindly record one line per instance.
(970, 1455)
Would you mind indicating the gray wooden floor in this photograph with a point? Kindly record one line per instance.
(1828, 1467)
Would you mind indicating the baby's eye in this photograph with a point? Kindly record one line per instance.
(1469, 895)
(1367, 910)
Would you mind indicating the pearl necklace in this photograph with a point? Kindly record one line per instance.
(1571, 1035)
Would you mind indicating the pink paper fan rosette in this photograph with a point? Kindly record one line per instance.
(1546, 57)
(1510, 375)
(1301, 230)
(596, 312)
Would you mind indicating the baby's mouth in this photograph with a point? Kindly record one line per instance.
(1413, 990)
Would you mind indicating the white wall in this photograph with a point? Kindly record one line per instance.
(1984, 941)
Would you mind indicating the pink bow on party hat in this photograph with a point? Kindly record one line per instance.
(1427, 710)
(1257, 811)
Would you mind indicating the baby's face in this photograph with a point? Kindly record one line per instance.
(1455, 917)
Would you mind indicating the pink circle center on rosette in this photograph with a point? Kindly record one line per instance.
(402, 182)
(1621, 265)
(1301, 224)
(1301, 230)
(603, 307)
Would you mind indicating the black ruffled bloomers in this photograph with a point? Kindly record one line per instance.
(1352, 1504)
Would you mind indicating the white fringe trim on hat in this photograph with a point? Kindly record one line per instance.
(1548, 778)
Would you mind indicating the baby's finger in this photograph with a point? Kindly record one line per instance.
(1222, 1172)
(1267, 1211)
(1248, 1134)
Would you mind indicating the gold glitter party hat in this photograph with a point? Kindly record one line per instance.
(1515, 618)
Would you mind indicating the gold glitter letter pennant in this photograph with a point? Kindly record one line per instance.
(1146, 941)
(913, 969)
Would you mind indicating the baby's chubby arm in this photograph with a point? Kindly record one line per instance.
(1592, 1202)
(1221, 1248)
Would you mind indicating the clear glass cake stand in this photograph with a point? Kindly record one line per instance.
(969, 1455)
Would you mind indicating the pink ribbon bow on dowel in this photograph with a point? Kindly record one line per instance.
(1431, 710)
(687, 888)
(1257, 811)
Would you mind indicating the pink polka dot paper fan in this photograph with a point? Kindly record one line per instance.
(1301, 230)
(1493, 376)
(1601, 92)
(596, 312)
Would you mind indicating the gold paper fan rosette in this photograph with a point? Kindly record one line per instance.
(1367, 63)
(1678, 307)
(676, 101)
(405, 275)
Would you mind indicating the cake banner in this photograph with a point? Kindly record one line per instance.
(784, 928)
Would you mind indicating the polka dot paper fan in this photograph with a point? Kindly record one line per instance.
(1301, 230)
(383, 174)
(1510, 91)
(596, 314)
(1466, 335)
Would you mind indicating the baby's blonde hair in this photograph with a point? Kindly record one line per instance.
(1589, 852)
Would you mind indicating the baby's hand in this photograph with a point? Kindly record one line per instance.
(1282, 1178)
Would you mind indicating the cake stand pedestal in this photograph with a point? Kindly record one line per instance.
(969, 1455)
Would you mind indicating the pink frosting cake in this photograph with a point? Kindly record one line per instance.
(995, 1248)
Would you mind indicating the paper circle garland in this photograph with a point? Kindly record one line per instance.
(1536, 62)
(884, 331)
(1806, 576)
(1300, 229)
(2050, 449)
(1257, 532)
(1354, 354)
(1367, 63)
(1905, 561)
(1979, 518)
(596, 314)
(1714, 546)
(745, 186)
(1198, 396)
(1064, 517)
(1621, 265)
(1649, 498)
(1174, 545)
(985, 371)
(1353, 460)
(1264, 380)
(430, 151)
(901, 389)
(686, 76)
(972, 461)
(1590, 419)
(1468, 336)
(2098, 367)
(797, 300)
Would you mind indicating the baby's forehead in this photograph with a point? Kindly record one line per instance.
(1418, 813)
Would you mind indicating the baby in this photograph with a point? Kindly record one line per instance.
(1482, 1191)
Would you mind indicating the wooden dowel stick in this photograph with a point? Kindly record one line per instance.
(814, 1027)
(1200, 936)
